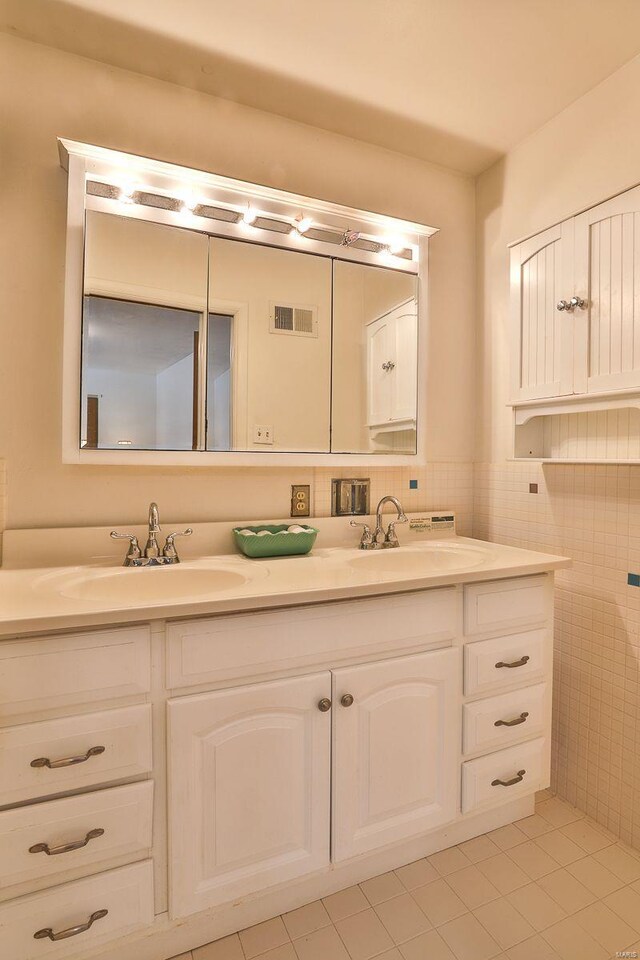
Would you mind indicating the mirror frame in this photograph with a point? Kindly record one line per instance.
(84, 162)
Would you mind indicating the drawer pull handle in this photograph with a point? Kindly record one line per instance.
(512, 723)
(515, 663)
(66, 847)
(509, 783)
(70, 931)
(67, 761)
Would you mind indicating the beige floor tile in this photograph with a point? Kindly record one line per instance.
(503, 873)
(532, 859)
(439, 902)
(428, 946)
(595, 877)
(321, 945)
(403, 918)
(586, 836)
(626, 903)
(505, 924)
(472, 887)
(447, 861)
(559, 847)
(393, 954)
(558, 812)
(285, 952)
(480, 848)
(382, 888)
(611, 931)
(306, 919)
(226, 949)
(620, 862)
(536, 906)
(568, 892)
(468, 939)
(534, 826)
(264, 936)
(572, 942)
(533, 949)
(345, 903)
(184, 956)
(416, 874)
(507, 837)
(364, 935)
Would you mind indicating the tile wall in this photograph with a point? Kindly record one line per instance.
(591, 514)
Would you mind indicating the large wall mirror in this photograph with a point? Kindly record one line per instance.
(209, 321)
(191, 342)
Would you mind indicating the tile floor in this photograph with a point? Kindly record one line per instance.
(555, 886)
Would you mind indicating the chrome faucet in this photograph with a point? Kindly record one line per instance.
(153, 556)
(379, 540)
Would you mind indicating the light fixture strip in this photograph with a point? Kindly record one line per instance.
(246, 216)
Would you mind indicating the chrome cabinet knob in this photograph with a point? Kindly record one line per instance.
(324, 705)
(563, 305)
(577, 302)
(388, 365)
(346, 700)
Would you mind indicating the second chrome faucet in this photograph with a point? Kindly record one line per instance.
(152, 556)
(378, 539)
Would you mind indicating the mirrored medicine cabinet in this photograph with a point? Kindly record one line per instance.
(257, 338)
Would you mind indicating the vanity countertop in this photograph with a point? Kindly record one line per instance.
(63, 597)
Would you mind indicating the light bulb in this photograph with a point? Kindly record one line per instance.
(303, 224)
(249, 216)
(395, 245)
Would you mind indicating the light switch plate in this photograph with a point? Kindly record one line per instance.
(300, 499)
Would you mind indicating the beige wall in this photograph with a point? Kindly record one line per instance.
(589, 513)
(46, 93)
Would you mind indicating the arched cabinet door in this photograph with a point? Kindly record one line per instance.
(249, 789)
(396, 750)
(542, 336)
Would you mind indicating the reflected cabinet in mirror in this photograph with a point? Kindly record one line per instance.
(192, 342)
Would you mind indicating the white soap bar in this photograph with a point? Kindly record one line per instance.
(264, 533)
(248, 533)
(296, 528)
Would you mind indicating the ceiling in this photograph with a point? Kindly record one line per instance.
(457, 82)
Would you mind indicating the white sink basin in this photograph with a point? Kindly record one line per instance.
(428, 558)
(131, 585)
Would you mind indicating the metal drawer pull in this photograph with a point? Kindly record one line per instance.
(347, 700)
(66, 847)
(67, 761)
(509, 783)
(512, 723)
(324, 705)
(516, 663)
(70, 931)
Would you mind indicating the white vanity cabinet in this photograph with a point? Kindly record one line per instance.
(392, 369)
(257, 761)
(591, 347)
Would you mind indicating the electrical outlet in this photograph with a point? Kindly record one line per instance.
(262, 433)
(300, 499)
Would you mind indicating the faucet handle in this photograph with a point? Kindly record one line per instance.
(391, 535)
(134, 552)
(170, 547)
(367, 539)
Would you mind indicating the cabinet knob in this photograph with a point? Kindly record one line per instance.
(388, 365)
(563, 305)
(324, 705)
(346, 700)
(577, 302)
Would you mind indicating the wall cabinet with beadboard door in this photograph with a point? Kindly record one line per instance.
(575, 319)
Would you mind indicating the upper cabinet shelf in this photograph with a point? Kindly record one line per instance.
(575, 316)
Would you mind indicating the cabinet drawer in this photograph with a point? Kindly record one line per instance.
(259, 644)
(125, 735)
(505, 661)
(126, 894)
(107, 823)
(501, 604)
(498, 721)
(50, 672)
(506, 774)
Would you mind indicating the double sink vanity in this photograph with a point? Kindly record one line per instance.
(187, 749)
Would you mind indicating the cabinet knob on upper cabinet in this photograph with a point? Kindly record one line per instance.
(388, 365)
(324, 705)
(577, 302)
(346, 700)
(563, 305)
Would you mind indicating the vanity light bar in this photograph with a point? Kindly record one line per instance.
(147, 198)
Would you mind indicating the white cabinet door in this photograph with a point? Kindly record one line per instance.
(392, 357)
(607, 269)
(405, 379)
(249, 789)
(381, 352)
(542, 336)
(395, 750)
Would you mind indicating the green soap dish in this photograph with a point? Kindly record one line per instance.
(277, 542)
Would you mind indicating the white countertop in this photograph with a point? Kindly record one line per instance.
(62, 597)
